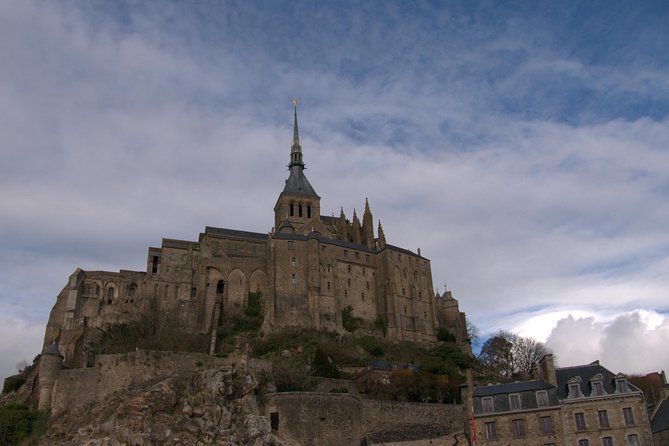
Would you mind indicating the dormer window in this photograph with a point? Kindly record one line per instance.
(597, 385)
(487, 404)
(621, 384)
(574, 387)
(542, 398)
(514, 401)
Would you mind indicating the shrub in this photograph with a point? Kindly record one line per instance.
(444, 335)
(13, 382)
(18, 423)
(323, 365)
(349, 322)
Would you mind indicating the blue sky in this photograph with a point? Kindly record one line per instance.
(523, 146)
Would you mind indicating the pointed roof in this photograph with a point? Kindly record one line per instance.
(297, 183)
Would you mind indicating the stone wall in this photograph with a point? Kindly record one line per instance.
(77, 387)
(340, 419)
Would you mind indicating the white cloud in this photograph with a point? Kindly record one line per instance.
(634, 342)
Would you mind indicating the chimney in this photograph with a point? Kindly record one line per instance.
(546, 369)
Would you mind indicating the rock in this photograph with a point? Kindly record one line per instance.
(211, 406)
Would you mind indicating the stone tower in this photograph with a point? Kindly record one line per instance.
(49, 367)
(298, 205)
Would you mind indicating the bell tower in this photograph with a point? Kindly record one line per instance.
(298, 206)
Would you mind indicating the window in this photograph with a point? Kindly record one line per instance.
(542, 398)
(308, 211)
(154, 264)
(633, 440)
(346, 253)
(518, 428)
(583, 442)
(628, 415)
(603, 418)
(597, 388)
(546, 425)
(292, 209)
(363, 296)
(357, 255)
(607, 441)
(349, 268)
(274, 420)
(328, 285)
(367, 285)
(514, 401)
(299, 210)
(490, 431)
(486, 402)
(621, 384)
(292, 261)
(220, 287)
(193, 292)
(574, 390)
(363, 271)
(292, 278)
(132, 290)
(110, 294)
(291, 245)
(348, 281)
(580, 421)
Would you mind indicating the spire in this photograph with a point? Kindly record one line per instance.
(343, 226)
(367, 227)
(296, 149)
(382, 238)
(356, 229)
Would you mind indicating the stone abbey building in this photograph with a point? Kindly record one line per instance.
(308, 269)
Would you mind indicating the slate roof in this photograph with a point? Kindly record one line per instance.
(527, 391)
(234, 233)
(297, 183)
(660, 420)
(517, 387)
(586, 372)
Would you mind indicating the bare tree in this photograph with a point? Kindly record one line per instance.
(526, 352)
(508, 354)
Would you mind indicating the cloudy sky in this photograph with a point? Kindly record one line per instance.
(523, 146)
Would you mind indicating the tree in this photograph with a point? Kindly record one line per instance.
(496, 354)
(473, 334)
(507, 353)
(526, 352)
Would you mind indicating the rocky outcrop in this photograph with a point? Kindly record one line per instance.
(212, 406)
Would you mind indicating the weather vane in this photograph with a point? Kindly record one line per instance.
(294, 101)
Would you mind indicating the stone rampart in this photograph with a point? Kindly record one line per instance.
(77, 387)
(328, 419)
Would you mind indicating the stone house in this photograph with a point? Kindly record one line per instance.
(520, 413)
(585, 405)
(308, 268)
(659, 421)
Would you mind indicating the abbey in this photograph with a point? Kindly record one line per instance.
(308, 270)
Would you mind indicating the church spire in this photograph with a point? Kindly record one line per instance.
(296, 149)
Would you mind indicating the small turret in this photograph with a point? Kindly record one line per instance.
(343, 226)
(381, 241)
(356, 229)
(367, 226)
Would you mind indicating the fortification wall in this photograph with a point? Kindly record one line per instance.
(77, 387)
(340, 419)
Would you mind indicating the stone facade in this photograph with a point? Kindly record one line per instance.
(579, 406)
(308, 269)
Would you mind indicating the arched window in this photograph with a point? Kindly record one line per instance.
(292, 209)
(110, 294)
(299, 209)
(193, 292)
(220, 287)
(132, 290)
(309, 211)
